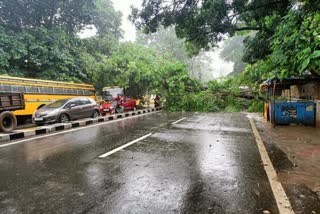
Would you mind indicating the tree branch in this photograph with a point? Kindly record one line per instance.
(248, 28)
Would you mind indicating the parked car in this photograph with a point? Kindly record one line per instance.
(125, 103)
(65, 110)
(108, 107)
(128, 103)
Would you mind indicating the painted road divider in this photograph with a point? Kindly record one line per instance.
(23, 133)
(178, 121)
(124, 146)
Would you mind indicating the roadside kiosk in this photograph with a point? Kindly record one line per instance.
(291, 100)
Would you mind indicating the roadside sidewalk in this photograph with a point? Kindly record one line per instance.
(295, 154)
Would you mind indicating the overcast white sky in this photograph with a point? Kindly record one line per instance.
(129, 30)
(127, 26)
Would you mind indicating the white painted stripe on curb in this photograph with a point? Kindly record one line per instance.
(73, 130)
(280, 195)
(124, 146)
(178, 121)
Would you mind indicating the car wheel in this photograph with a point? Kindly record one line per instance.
(64, 118)
(95, 114)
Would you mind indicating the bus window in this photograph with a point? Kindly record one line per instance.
(27, 89)
(21, 89)
(69, 91)
(43, 90)
(58, 91)
(50, 90)
(14, 88)
(34, 89)
(7, 88)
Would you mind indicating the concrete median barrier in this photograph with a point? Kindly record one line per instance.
(24, 133)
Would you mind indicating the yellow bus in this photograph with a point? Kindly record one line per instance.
(38, 93)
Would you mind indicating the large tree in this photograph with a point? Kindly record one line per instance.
(204, 23)
(18, 15)
(41, 53)
(39, 38)
(72, 15)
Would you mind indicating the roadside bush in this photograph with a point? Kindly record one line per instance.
(222, 95)
(192, 102)
(255, 106)
(206, 101)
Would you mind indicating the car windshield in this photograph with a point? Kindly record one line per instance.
(57, 104)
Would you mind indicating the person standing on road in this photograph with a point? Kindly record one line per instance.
(118, 98)
(118, 107)
(157, 101)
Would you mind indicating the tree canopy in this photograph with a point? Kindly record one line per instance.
(72, 15)
(40, 39)
(285, 38)
(204, 23)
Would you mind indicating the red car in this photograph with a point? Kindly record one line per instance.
(107, 107)
(125, 104)
(128, 103)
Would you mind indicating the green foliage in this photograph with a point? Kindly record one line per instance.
(222, 95)
(72, 15)
(106, 19)
(206, 101)
(41, 53)
(131, 67)
(39, 39)
(192, 102)
(293, 49)
(101, 46)
(228, 85)
(165, 42)
(203, 24)
(140, 70)
(296, 45)
(255, 106)
(254, 74)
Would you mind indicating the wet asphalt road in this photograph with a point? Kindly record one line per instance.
(207, 163)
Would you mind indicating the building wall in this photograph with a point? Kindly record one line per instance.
(309, 91)
(318, 113)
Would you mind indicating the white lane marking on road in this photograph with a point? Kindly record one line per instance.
(280, 196)
(73, 130)
(124, 146)
(178, 121)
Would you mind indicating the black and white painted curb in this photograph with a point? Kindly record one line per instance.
(19, 134)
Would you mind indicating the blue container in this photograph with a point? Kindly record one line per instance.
(302, 112)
